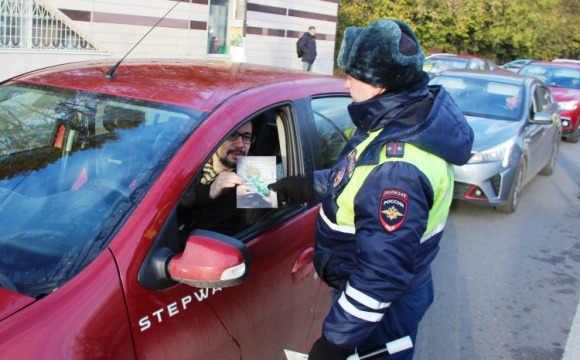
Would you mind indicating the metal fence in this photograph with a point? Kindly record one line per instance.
(34, 24)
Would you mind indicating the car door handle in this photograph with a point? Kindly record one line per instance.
(303, 265)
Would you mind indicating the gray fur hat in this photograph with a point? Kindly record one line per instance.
(385, 54)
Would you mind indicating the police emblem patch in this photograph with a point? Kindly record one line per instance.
(393, 208)
(351, 162)
(338, 177)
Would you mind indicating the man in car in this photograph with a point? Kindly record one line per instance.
(211, 204)
(386, 200)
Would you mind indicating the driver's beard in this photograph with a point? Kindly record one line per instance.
(227, 163)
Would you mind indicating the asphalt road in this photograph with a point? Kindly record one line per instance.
(508, 286)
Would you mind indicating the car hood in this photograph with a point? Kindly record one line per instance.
(565, 94)
(11, 302)
(488, 132)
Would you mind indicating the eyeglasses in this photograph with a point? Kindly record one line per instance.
(246, 138)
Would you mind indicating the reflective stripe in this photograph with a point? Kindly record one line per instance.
(364, 298)
(433, 232)
(363, 315)
(340, 228)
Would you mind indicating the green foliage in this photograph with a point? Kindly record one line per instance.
(501, 30)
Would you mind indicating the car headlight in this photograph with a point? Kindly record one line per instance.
(500, 152)
(568, 105)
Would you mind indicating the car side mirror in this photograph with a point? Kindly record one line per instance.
(210, 260)
(542, 118)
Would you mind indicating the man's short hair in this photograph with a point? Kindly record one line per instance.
(312, 27)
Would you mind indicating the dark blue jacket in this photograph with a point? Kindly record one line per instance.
(308, 44)
(384, 207)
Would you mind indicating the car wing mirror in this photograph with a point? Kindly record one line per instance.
(210, 260)
(542, 118)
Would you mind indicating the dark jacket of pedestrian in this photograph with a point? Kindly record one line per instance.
(308, 45)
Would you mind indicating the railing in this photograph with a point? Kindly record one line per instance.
(33, 24)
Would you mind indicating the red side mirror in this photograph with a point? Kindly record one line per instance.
(211, 260)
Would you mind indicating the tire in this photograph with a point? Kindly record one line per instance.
(574, 136)
(511, 204)
(551, 165)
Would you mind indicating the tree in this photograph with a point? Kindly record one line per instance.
(498, 29)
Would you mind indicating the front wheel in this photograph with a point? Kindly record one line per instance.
(512, 202)
(551, 165)
(574, 135)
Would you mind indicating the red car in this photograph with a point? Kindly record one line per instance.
(96, 259)
(563, 78)
(437, 63)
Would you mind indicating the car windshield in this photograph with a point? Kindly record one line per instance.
(72, 165)
(484, 98)
(435, 65)
(554, 76)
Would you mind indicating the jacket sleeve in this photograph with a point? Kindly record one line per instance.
(388, 230)
(320, 183)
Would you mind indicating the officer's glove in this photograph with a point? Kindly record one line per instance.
(325, 350)
(294, 189)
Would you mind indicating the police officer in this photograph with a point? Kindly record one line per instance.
(386, 200)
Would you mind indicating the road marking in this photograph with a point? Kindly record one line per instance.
(572, 349)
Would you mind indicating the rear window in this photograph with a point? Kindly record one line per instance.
(554, 76)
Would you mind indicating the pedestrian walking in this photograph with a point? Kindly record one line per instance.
(307, 45)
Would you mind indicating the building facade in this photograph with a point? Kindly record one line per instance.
(40, 33)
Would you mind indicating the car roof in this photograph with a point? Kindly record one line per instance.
(568, 65)
(199, 84)
(508, 77)
(455, 56)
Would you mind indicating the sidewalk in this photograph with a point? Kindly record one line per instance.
(572, 349)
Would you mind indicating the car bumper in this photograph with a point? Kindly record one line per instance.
(483, 184)
(569, 121)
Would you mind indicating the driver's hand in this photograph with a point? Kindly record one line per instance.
(225, 180)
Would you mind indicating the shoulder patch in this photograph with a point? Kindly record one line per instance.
(395, 149)
(393, 208)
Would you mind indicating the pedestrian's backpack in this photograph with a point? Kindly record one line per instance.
(299, 50)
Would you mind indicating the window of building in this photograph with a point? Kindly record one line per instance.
(31, 24)
(218, 27)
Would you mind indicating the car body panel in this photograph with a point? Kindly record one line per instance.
(86, 316)
(105, 311)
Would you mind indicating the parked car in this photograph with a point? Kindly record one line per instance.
(516, 125)
(564, 81)
(96, 259)
(515, 65)
(435, 64)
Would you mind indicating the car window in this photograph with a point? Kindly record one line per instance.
(334, 126)
(544, 98)
(272, 140)
(477, 64)
(435, 65)
(554, 76)
(69, 161)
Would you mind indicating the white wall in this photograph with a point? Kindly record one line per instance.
(115, 39)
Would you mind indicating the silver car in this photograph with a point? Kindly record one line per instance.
(517, 130)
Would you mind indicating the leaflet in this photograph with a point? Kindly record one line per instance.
(258, 172)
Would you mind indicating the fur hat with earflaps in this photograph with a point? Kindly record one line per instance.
(385, 54)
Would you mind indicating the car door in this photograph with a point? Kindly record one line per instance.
(537, 142)
(274, 309)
